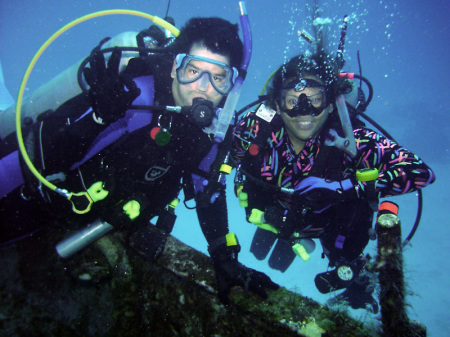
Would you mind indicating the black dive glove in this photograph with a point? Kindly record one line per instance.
(148, 240)
(110, 94)
(230, 273)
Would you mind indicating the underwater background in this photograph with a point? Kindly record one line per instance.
(404, 50)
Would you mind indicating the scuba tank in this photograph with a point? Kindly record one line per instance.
(5, 97)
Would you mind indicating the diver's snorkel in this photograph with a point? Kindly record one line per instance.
(348, 143)
(230, 104)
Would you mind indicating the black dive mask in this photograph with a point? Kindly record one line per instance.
(201, 112)
(304, 107)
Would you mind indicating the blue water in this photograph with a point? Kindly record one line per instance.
(404, 50)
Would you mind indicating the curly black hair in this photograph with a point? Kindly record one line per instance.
(217, 35)
(319, 64)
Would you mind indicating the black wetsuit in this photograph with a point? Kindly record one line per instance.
(133, 167)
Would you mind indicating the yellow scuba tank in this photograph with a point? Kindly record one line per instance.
(62, 87)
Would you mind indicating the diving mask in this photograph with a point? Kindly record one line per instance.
(191, 68)
(311, 101)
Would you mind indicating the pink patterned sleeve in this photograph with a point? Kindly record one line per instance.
(400, 171)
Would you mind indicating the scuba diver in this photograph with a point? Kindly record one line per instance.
(307, 169)
(131, 143)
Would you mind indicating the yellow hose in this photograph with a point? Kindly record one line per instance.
(267, 82)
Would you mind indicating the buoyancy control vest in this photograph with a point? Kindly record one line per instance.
(150, 82)
(327, 164)
(300, 225)
(153, 80)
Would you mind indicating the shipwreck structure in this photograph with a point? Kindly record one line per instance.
(109, 290)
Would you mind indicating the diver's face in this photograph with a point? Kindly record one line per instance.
(184, 94)
(301, 128)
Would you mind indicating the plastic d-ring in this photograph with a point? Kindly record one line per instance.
(97, 192)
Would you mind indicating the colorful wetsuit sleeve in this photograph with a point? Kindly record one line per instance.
(401, 171)
(243, 134)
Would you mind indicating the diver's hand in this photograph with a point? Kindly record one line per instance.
(110, 94)
(232, 273)
(276, 220)
(148, 241)
(321, 194)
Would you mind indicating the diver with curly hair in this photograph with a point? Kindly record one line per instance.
(306, 170)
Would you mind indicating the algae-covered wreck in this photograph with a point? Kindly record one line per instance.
(109, 290)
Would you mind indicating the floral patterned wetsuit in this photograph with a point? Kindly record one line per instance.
(400, 171)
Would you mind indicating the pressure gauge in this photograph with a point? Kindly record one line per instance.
(345, 273)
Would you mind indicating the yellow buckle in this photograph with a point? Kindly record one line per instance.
(225, 168)
(132, 209)
(367, 174)
(231, 240)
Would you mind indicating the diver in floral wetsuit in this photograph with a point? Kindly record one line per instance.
(300, 187)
